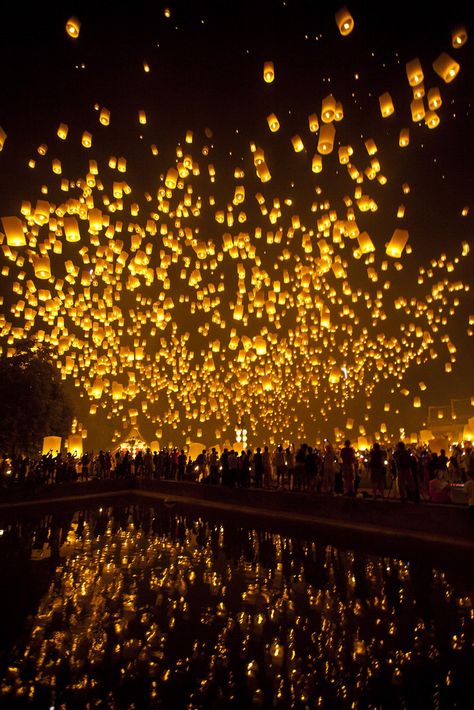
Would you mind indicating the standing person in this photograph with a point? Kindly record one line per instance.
(469, 490)
(310, 469)
(279, 463)
(290, 466)
(213, 466)
(377, 470)
(348, 458)
(181, 465)
(225, 467)
(403, 468)
(258, 467)
(85, 462)
(267, 468)
(300, 478)
(329, 469)
(148, 464)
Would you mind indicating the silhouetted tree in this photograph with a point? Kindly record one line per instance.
(33, 402)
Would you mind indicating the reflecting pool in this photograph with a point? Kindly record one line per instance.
(142, 606)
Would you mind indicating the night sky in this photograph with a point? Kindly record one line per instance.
(205, 75)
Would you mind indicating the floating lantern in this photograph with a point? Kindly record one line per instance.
(328, 109)
(3, 138)
(313, 123)
(459, 36)
(73, 27)
(397, 243)
(268, 72)
(273, 122)
(417, 110)
(434, 98)
(104, 116)
(316, 163)
(386, 105)
(13, 228)
(414, 72)
(42, 267)
(51, 444)
(446, 67)
(344, 21)
(297, 143)
(74, 445)
(326, 139)
(431, 119)
(63, 131)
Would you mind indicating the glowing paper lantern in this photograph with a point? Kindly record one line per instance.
(3, 138)
(434, 98)
(297, 143)
(13, 228)
(326, 139)
(459, 36)
(414, 72)
(74, 445)
(273, 122)
(73, 27)
(104, 116)
(404, 138)
(365, 243)
(171, 178)
(42, 267)
(51, 444)
(268, 72)
(417, 110)
(431, 119)
(446, 67)
(344, 21)
(397, 243)
(63, 131)
(328, 109)
(386, 105)
(313, 123)
(71, 229)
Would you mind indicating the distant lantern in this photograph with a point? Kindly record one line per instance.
(431, 119)
(417, 402)
(142, 118)
(42, 267)
(397, 243)
(417, 110)
(63, 131)
(268, 72)
(86, 139)
(404, 137)
(297, 143)
(459, 36)
(73, 27)
(104, 116)
(434, 98)
(313, 123)
(386, 105)
(3, 137)
(365, 243)
(326, 139)
(344, 21)
(171, 178)
(414, 72)
(328, 109)
(13, 228)
(316, 163)
(273, 122)
(446, 67)
(71, 229)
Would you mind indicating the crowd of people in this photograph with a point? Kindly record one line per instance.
(413, 473)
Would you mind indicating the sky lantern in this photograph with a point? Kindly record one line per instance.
(344, 21)
(104, 116)
(446, 67)
(273, 122)
(459, 36)
(414, 72)
(386, 105)
(268, 72)
(326, 139)
(13, 227)
(431, 119)
(397, 243)
(73, 27)
(313, 123)
(3, 138)
(434, 98)
(42, 267)
(328, 109)
(417, 108)
(297, 143)
(62, 131)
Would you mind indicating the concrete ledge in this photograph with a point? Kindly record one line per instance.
(446, 524)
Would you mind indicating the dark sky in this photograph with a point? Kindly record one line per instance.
(206, 63)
